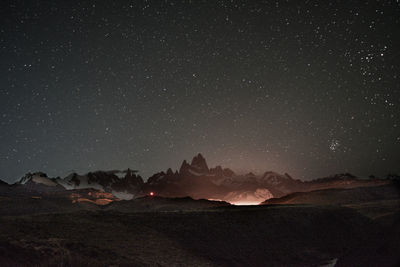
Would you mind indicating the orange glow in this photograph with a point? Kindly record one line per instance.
(245, 203)
(103, 201)
(99, 198)
(151, 193)
(238, 203)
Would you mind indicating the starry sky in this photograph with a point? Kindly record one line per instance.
(305, 87)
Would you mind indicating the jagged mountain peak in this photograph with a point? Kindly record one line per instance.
(170, 172)
(184, 167)
(199, 162)
(123, 184)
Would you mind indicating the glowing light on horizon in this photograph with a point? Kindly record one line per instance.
(238, 203)
(151, 194)
(245, 203)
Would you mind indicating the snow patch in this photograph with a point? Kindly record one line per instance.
(122, 195)
(331, 263)
(120, 174)
(43, 180)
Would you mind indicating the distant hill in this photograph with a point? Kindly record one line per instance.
(340, 196)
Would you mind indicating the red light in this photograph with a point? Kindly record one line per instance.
(151, 193)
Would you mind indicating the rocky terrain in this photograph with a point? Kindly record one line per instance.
(220, 236)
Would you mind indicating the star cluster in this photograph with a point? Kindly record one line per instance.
(305, 88)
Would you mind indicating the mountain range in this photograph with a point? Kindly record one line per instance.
(82, 219)
(195, 180)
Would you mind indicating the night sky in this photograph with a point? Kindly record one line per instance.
(308, 88)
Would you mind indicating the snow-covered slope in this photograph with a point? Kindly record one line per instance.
(38, 178)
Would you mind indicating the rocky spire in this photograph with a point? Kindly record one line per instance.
(199, 163)
(184, 167)
(170, 172)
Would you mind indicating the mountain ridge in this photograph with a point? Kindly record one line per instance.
(196, 180)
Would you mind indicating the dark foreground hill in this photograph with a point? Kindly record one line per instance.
(379, 203)
(382, 249)
(225, 236)
(151, 204)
